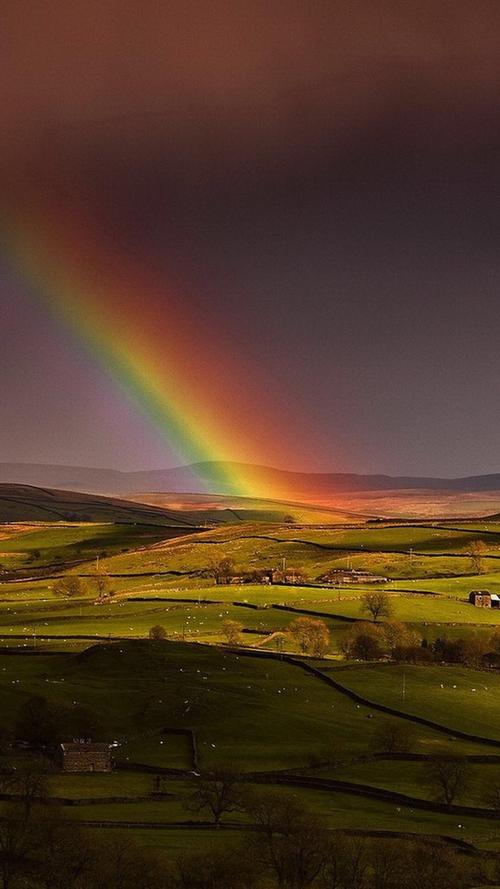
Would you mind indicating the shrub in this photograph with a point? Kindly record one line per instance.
(157, 633)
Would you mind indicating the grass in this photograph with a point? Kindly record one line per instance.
(139, 689)
(250, 713)
(49, 545)
(463, 698)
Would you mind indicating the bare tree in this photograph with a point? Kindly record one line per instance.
(477, 553)
(102, 585)
(399, 635)
(279, 639)
(26, 784)
(226, 868)
(70, 587)
(492, 796)
(291, 842)
(395, 736)
(346, 864)
(312, 635)
(377, 605)
(218, 792)
(125, 865)
(450, 776)
(231, 630)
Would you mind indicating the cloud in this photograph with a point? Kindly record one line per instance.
(247, 78)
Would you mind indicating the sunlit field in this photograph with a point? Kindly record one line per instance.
(249, 704)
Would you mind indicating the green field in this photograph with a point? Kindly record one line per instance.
(248, 713)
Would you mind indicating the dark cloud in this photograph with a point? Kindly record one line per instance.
(328, 170)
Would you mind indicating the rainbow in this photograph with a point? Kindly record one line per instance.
(184, 379)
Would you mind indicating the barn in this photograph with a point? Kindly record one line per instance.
(84, 756)
(484, 599)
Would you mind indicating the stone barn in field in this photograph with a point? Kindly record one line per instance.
(84, 756)
(484, 599)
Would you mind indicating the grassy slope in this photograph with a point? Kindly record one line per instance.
(251, 711)
(467, 701)
(26, 503)
(49, 543)
(257, 714)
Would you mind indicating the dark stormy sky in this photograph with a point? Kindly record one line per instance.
(332, 170)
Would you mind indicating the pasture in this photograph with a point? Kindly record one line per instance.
(250, 713)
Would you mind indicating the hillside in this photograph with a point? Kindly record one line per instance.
(206, 476)
(231, 509)
(324, 726)
(25, 503)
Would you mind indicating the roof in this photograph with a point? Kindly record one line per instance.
(494, 597)
(84, 747)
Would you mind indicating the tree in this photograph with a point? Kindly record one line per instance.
(473, 649)
(70, 586)
(346, 864)
(27, 783)
(157, 633)
(231, 630)
(221, 570)
(290, 842)
(399, 635)
(377, 605)
(449, 775)
(225, 868)
(437, 866)
(477, 553)
(311, 635)
(43, 724)
(363, 642)
(492, 796)
(36, 722)
(395, 736)
(279, 639)
(122, 864)
(218, 792)
(102, 585)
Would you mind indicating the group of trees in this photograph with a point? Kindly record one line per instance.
(42, 724)
(375, 639)
(310, 635)
(38, 852)
(290, 848)
(71, 586)
(287, 847)
(370, 640)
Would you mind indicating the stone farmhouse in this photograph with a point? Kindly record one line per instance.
(484, 599)
(84, 756)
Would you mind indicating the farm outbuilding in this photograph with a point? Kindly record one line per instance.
(484, 599)
(84, 756)
(351, 575)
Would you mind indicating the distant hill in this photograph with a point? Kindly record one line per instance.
(190, 512)
(205, 476)
(25, 503)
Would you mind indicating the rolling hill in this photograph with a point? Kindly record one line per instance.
(26, 503)
(196, 477)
